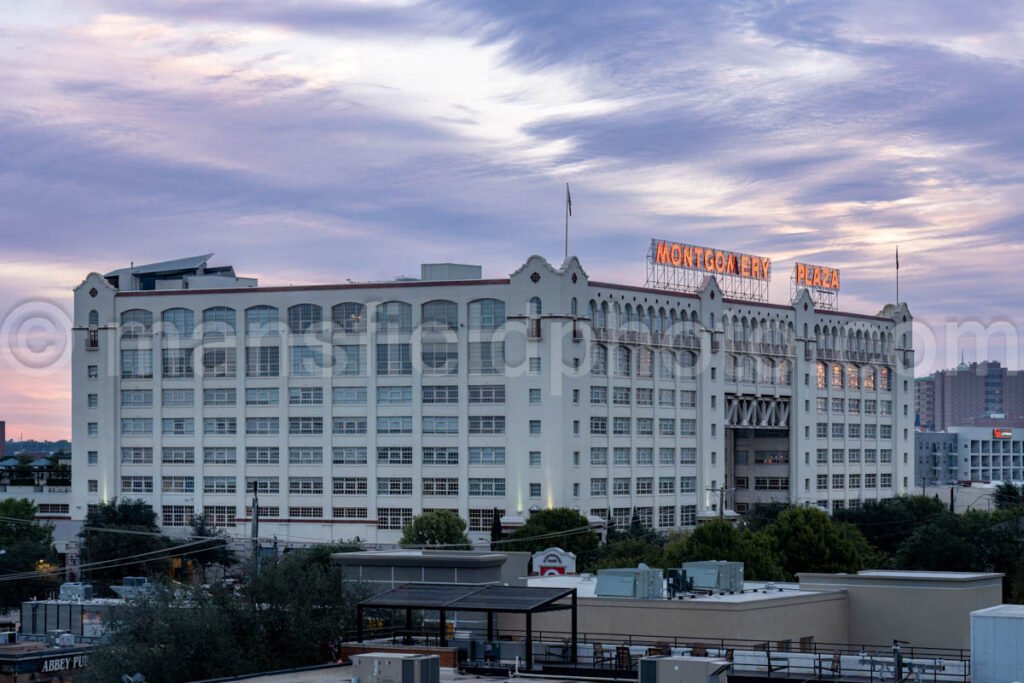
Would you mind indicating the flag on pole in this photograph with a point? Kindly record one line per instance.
(897, 257)
(568, 199)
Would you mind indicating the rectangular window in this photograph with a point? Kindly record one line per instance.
(838, 456)
(178, 485)
(395, 396)
(534, 427)
(440, 358)
(262, 425)
(771, 483)
(305, 512)
(394, 455)
(687, 399)
(853, 406)
(446, 424)
(620, 396)
(219, 485)
(393, 518)
(534, 396)
(534, 458)
(262, 361)
(444, 393)
(219, 455)
(93, 371)
(482, 519)
(177, 515)
(621, 456)
(533, 365)
(838, 481)
(598, 456)
(135, 364)
(486, 358)
(177, 398)
(885, 456)
(645, 397)
(440, 486)
(870, 406)
(349, 425)
(394, 359)
(348, 396)
(137, 456)
(486, 393)
(261, 397)
(822, 456)
(176, 363)
(220, 426)
(838, 429)
(305, 455)
(349, 360)
(854, 481)
(219, 397)
(486, 487)
(178, 426)
(667, 397)
(688, 427)
(666, 456)
(687, 456)
(870, 431)
(667, 516)
(137, 484)
(349, 455)
(687, 515)
(667, 485)
(305, 396)
(822, 482)
(394, 424)
(645, 426)
(262, 455)
(349, 513)
(219, 515)
(219, 362)
(349, 486)
(93, 428)
(306, 425)
(666, 426)
(443, 455)
(486, 424)
(136, 398)
(306, 361)
(837, 405)
(179, 455)
(645, 455)
(598, 425)
(487, 455)
(687, 484)
(93, 457)
(599, 487)
(394, 486)
(598, 396)
(305, 486)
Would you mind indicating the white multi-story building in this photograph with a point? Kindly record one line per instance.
(353, 407)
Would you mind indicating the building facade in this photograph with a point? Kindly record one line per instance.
(977, 394)
(969, 454)
(351, 408)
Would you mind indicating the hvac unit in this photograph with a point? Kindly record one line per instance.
(642, 582)
(716, 576)
(395, 667)
(684, 670)
(75, 591)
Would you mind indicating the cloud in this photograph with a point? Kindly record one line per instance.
(315, 141)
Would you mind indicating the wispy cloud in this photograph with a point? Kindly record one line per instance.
(317, 141)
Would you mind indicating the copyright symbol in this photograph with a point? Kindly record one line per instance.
(35, 338)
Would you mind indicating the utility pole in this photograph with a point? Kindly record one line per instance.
(255, 528)
(721, 496)
(951, 489)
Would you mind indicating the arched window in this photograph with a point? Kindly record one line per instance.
(687, 363)
(749, 370)
(261, 321)
(304, 318)
(394, 316)
(349, 317)
(573, 306)
(535, 306)
(822, 376)
(730, 368)
(870, 378)
(767, 373)
(599, 359)
(852, 377)
(623, 361)
(178, 322)
(218, 322)
(645, 362)
(440, 314)
(785, 373)
(666, 365)
(486, 314)
(884, 379)
(837, 376)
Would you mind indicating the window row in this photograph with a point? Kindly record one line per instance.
(853, 377)
(644, 516)
(640, 362)
(481, 394)
(839, 430)
(386, 486)
(645, 426)
(853, 406)
(642, 486)
(624, 396)
(479, 519)
(311, 426)
(643, 456)
(314, 455)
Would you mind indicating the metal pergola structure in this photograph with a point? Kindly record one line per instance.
(486, 599)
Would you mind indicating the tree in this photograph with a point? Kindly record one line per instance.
(760, 515)
(1008, 496)
(119, 532)
(437, 528)
(561, 527)
(496, 531)
(216, 551)
(321, 554)
(808, 541)
(26, 545)
(887, 523)
(293, 614)
(720, 540)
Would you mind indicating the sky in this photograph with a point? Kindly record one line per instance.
(311, 141)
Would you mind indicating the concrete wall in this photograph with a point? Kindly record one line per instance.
(927, 609)
(822, 615)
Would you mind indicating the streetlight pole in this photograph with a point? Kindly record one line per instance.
(255, 528)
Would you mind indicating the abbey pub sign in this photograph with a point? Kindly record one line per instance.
(708, 260)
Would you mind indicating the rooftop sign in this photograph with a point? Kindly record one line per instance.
(683, 267)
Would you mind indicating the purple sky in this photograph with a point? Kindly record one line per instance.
(315, 141)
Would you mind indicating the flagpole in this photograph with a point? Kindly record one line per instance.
(897, 275)
(568, 203)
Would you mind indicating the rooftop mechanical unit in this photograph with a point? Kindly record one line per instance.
(684, 670)
(641, 582)
(716, 576)
(395, 667)
(75, 591)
